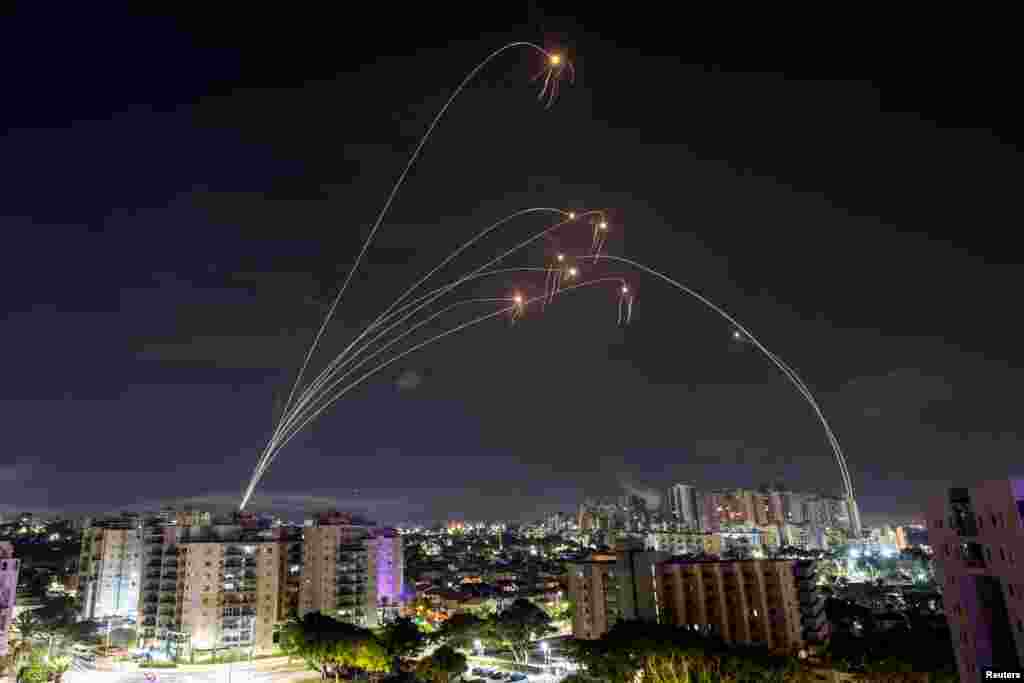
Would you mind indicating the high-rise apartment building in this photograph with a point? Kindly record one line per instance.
(594, 592)
(635, 571)
(814, 621)
(109, 568)
(291, 571)
(385, 565)
(229, 587)
(977, 535)
(158, 615)
(351, 571)
(729, 508)
(210, 583)
(768, 507)
(743, 602)
(8, 591)
(684, 507)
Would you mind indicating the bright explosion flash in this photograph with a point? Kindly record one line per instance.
(334, 382)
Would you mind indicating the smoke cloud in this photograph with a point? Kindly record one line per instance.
(409, 380)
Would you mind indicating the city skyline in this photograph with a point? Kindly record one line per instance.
(204, 224)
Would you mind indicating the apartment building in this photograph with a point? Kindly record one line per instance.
(291, 571)
(977, 534)
(752, 602)
(385, 565)
(159, 589)
(635, 571)
(594, 592)
(814, 622)
(109, 568)
(8, 591)
(351, 570)
(684, 506)
(229, 587)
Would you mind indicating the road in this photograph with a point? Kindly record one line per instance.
(235, 673)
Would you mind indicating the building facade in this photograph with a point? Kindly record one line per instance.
(351, 571)
(684, 507)
(8, 592)
(977, 535)
(109, 568)
(684, 542)
(594, 592)
(159, 590)
(753, 602)
(385, 564)
(229, 588)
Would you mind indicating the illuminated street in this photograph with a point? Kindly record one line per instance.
(236, 674)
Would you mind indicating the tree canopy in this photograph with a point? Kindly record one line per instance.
(327, 645)
(442, 665)
(517, 626)
(665, 654)
(402, 638)
(460, 630)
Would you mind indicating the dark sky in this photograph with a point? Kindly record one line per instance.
(182, 197)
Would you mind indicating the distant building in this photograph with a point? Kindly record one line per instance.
(684, 542)
(109, 568)
(8, 591)
(977, 535)
(911, 536)
(684, 506)
(753, 602)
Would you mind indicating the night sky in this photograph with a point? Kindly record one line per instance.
(181, 198)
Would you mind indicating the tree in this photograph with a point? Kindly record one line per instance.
(27, 625)
(357, 648)
(460, 630)
(55, 618)
(290, 639)
(313, 639)
(58, 667)
(517, 626)
(328, 646)
(442, 666)
(402, 638)
(84, 631)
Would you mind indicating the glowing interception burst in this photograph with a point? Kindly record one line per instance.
(555, 68)
(625, 305)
